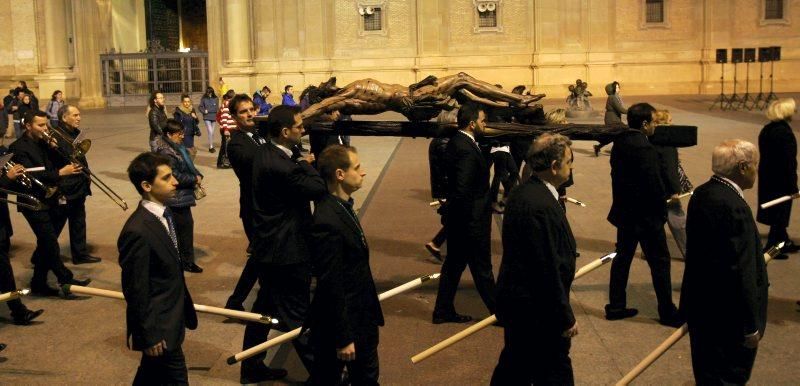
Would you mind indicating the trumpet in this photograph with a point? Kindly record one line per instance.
(34, 205)
(79, 150)
(29, 182)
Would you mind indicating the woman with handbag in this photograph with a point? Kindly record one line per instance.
(189, 178)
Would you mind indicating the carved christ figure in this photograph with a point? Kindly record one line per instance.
(418, 102)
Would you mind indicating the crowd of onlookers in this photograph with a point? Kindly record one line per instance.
(20, 100)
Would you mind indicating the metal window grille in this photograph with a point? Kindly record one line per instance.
(487, 19)
(373, 22)
(773, 9)
(654, 11)
(136, 75)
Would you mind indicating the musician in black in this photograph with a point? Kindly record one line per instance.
(75, 188)
(32, 150)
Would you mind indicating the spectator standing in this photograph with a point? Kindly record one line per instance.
(187, 116)
(55, 104)
(209, 106)
(156, 117)
(260, 99)
(288, 98)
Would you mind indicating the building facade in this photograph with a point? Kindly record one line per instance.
(649, 46)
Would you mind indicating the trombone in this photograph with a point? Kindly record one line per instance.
(36, 204)
(28, 181)
(80, 149)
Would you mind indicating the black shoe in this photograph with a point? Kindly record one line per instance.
(26, 317)
(620, 313)
(88, 259)
(781, 256)
(234, 306)
(212, 150)
(44, 290)
(451, 318)
(261, 374)
(435, 252)
(192, 267)
(82, 283)
(790, 247)
(674, 321)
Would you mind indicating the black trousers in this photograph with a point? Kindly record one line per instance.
(167, 369)
(718, 361)
(363, 370)
(184, 231)
(222, 157)
(654, 246)
(249, 276)
(285, 295)
(440, 237)
(462, 252)
(532, 355)
(776, 235)
(46, 224)
(505, 172)
(7, 283)
(76, 218)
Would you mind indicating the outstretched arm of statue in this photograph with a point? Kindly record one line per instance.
(480, 100)
(325, 106)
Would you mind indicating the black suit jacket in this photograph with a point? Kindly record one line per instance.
(159, 304)
(468, 205)
(725, 280)
(30, 153)
(282, 193)
(345, 301)
(73, 186)
(538, 263)
(637, 185)
(242, 150)
(5, 183)
(777, 171)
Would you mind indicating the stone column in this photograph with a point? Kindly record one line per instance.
(55, 30)
(237, 33)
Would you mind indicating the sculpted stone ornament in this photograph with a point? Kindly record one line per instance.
(420, 101)
(578, 100)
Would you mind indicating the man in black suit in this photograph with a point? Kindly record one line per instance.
(345, 313)
(242, 148)
(639, 211)
(159, 304)
(284, 184)
(536, 273)
(469, 218)
(75, 187)
(19, 313)
(32, 150)
(724, 294)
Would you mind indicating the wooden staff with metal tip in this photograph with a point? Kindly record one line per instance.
(492, 318)
(291, 335)
(680, 196)
(574, 201)
(248, 316)
(677, 335)
(780, 200)
(14, 295)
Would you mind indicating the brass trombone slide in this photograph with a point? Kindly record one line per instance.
(25, 179)
(80, 149)
(37, 205)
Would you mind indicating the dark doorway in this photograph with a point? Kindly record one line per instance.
(176, 23)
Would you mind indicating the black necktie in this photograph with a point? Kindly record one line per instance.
(171, 226)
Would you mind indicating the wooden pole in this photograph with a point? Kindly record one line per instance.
(492, 318)
(14, 295)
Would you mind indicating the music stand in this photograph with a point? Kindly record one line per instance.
(775, 55)
(737, 54)
(749, 57)
(722, 58)
(763, 56)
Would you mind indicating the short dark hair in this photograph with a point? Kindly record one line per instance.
(287, 87)
(63, 110)
(640, 113)
(229, 94)
(30, 114)
(210, 92)
(172, 127)
(16, 91)
(152, 101)
(233, 105)
(266, 88)
(184, 96)
(145, 168)
(332, 158)
(468, 113)
(545, 149)
(280, 117)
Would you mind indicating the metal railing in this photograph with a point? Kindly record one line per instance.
(133, 76)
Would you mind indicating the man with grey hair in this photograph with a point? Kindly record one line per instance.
(724, 294)
(536, 273)
(75, 188)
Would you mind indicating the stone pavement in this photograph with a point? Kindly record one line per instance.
(83, 341)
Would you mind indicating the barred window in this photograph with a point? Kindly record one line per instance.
(655, 11)
(372, 22)
(773, 9)
(487, 19)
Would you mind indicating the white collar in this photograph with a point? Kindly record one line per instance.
(551, 188)
(154, 207)
(733, 184)
(284, 148)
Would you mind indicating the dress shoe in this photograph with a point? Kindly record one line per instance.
(44, 290)
(25, 318)
(451, 318)
(620, 313)
(234, 306)
(790, 247)
(192, 267)
(671, 318)
(87, 259)
(82, 283)
(781, 256)
(261, 374)
(212, 150)
(434, 251)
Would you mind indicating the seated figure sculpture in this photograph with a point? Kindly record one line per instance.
(420, 101)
